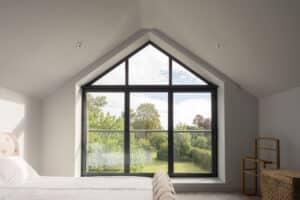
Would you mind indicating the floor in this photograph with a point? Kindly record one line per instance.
(213, 196)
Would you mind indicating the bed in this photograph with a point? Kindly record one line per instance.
(19, 181)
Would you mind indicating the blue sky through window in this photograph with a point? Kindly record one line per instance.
(150, 67)
(186, 105)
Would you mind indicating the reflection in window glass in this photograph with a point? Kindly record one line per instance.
(148, 132)
(192, 133)
(181, 76)
(105, 147)
(149, 67)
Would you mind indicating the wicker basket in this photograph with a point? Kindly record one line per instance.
(280, 185)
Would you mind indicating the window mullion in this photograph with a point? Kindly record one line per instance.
(127, 125)
(126, 72)
(127, 134)
(167, 87)
(214, 132)
(170, 134)
(170, 71)
(84, 135)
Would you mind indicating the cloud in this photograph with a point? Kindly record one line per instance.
(149, 66)
(186, 110)
(186, 105)
(114, 77)
(160, 103)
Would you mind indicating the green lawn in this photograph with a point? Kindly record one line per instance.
(179, 167)
(188, 167)
(183, 166)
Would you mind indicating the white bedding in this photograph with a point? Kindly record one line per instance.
(87, 188)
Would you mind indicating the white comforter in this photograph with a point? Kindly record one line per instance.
(96, 188)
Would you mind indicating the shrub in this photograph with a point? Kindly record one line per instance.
(202, 157)
(156, 139)
(162, 153)
(182, 146)
(200, 142)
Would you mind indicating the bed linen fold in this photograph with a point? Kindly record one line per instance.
(86, 188)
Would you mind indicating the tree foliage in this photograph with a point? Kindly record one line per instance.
(98, 119)
(146, 117)
(201, 122)
(106, 148)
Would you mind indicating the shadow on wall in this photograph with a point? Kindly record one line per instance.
(12, 115)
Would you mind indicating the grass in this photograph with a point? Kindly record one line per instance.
(187, 167)
(179, 167)
(182, 166)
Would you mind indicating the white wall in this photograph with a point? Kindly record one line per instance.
(238, 112)
(21, 115)
(59, 133)
(279, 117)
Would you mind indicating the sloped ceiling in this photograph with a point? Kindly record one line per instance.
(255, 43)
(38, 39)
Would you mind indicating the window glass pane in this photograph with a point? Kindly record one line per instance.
(149, 67)
(181, 76)
(148, 132)
(105, 124)
(192, 133)
(114, 77)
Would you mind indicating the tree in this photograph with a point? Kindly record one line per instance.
(104, 148)
(97, 119)
(202, 157)
(182, 146)
(184, 127)
(94, 110)
(156, 139)
(198, 120)
(146, 117)
(201, 122)
(207, 123)
(200, 142)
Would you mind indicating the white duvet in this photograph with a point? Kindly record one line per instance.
(86, 188)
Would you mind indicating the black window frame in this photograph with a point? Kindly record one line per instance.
(170, 89)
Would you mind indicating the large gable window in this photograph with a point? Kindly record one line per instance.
(146, 113)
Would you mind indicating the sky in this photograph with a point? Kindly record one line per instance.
(150, 66)
(186, 105)
(141, 71)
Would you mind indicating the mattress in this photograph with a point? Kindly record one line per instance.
(83, 188)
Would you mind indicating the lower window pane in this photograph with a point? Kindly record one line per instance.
(105, 152)
(192, 152)
(105, 127)
(149, 152)
(148, 132)
(192, 133)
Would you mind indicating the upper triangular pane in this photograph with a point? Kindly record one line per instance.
(149, 66)
(114, 77)
(182, 76)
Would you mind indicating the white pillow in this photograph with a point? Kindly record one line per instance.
(15, 171)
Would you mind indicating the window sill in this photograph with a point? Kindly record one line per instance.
(213, 180)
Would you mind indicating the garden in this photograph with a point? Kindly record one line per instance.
(148, 141)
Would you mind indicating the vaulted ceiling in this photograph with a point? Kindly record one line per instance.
(255, 43)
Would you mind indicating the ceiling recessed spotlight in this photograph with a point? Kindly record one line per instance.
(78, 44)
